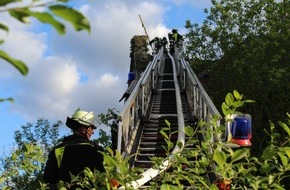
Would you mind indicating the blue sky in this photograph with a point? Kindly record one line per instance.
(80, 69)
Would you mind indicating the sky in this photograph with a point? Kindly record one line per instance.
(78, 69)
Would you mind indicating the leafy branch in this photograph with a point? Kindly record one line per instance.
(51, 16)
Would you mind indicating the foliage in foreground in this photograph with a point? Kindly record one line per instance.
(23, 12)
(234, 168)
(231, 168)
(244, 45)
(24, 167)
(54, 13)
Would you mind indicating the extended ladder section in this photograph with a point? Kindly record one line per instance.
(168, 95)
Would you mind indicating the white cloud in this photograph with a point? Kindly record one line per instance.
(46, 89)
(54, 75)
(107, 80)
(78, 69)
(25, 46)
(54, 87)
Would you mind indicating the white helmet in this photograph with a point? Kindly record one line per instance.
(82, 117)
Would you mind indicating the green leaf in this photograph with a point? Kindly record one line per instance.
(167, 123)
(180, 144)
(4, 27)
(109, 160)
(237, 95)
(268, 152)
(265, 168)
(225, 109)
(188, 131)
(76, 18)
(165, 129)
(284, 159)
(16, 63)
(220, 158)
(20, 14)
(170, 144)
(229, 99)
(111, 152)
(88, 173)
(249, 101)
(164, 134)
(286, 150)
(285, 127)
(49, 19)
(238, 104)
(169, 187)
(213, 187)
(165, 187)
(239, 154)
(5, 2)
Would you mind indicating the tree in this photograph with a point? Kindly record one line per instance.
(33, 143)
(244, 45)
(110, 120)
(54, 15)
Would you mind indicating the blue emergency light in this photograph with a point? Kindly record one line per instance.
(131, 76)
(241, 129)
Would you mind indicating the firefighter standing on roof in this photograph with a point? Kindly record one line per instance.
(75, 151)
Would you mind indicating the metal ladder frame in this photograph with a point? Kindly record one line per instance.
(136, 106)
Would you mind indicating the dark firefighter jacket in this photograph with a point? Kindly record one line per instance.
(177, 37)
(72, 155)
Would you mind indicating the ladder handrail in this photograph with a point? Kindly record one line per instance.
(196, 81)
(200, 103)
(153, 172)
(136, 106)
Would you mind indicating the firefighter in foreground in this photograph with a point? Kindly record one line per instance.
(75, 152)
